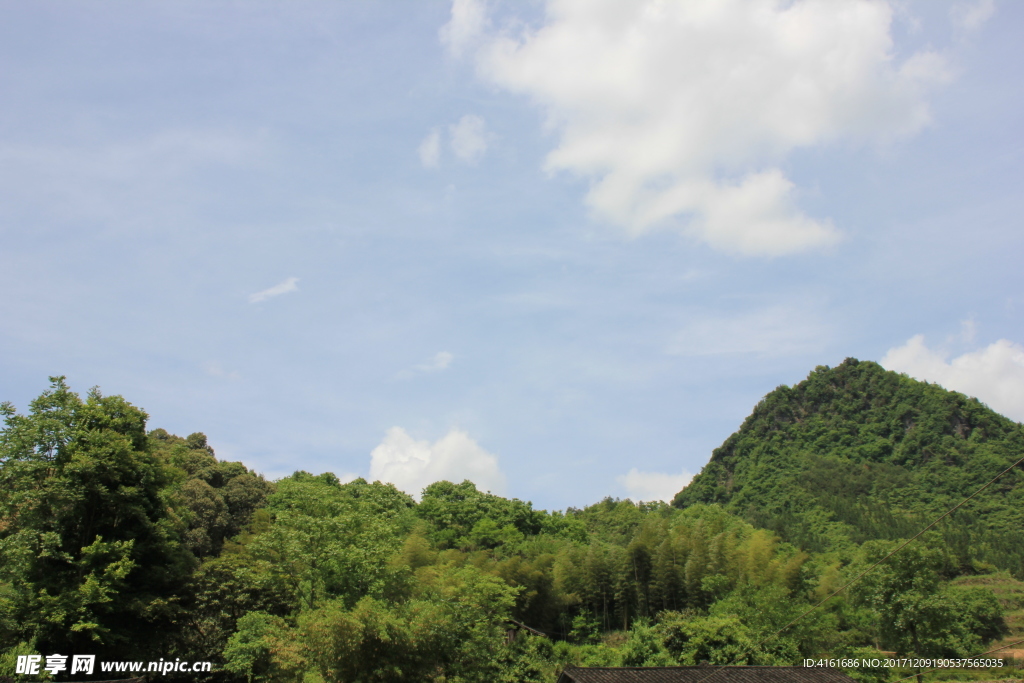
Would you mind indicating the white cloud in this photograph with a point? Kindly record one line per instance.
(440, 361)
(467, 25)
(994, 374)
(430, 150)
(469, 138)
(776, 331)
(650, 486)
(680, 112)
(412, 465)
(971, 16)
(284, 287)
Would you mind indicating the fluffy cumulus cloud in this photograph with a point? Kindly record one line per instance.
(650, 486)
(681, 112)
(284, 287)
(994, 374)
(412, 465)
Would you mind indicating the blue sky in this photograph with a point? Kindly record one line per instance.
(561, 248)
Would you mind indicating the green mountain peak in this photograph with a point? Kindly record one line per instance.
(857, 452)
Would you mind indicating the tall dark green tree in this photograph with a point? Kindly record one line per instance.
(218, 497)
(89, 542)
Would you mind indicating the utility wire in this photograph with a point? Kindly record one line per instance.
(872, 567)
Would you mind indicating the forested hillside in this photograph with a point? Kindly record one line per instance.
(856, 452)
(140, 545)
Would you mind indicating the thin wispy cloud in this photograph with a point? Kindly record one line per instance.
(968, 332)
(284, 287)
(430, 150)
(469, 139)
(971, 16)
(440, 361)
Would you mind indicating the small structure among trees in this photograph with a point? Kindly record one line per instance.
(700, 674)
(513, 627)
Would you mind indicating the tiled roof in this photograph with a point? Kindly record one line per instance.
(696, 674)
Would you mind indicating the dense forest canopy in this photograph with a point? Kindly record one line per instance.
(139, 545)
(856, 453)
